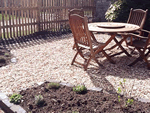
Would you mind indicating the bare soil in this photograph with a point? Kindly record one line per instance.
(65, 100)
(5, 56)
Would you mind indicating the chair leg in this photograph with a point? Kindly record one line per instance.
(74, 58)
(126, 42)
(147, 52)
(87, 63)
(80, 53)
(74, 46)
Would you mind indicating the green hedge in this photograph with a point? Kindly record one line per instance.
(120, 9)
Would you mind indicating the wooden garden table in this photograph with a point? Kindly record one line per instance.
(113, 28)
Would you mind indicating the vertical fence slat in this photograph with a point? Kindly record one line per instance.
(20, 18)
(13, 33)
(10, 11)
(3, 24)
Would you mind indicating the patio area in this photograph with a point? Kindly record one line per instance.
(51, 60)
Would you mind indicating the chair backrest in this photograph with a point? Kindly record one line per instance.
(137, 17)
(76, 11)
(79, 28)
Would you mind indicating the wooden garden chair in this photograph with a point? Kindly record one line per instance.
(142, 45)
(81, 13)
(137, 17)
(84, 41)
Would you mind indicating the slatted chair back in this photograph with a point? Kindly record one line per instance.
(80, 29)
(137, 17)
(76, 11)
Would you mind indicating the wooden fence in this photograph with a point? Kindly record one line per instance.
(24, 17)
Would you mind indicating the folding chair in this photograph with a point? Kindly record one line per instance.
(137, 17)
(81, 13)
(83, 41)
(142, 44)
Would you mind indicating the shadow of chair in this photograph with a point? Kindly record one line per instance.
(83, 41)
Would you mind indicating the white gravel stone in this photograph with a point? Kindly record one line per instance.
(52, 60)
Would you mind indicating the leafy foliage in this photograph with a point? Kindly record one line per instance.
(119, 10)
(39, 100)
(81, 89)
(123, 89)
(53, 85)
(15, 98)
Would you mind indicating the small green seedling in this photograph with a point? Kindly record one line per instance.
(81, 89)
(53, 85)
(6, 54)
(129, 102)
(75, 112)
(123, 89)
(15, 98)
(39, 100)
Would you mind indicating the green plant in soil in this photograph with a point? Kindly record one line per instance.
(75, 112)
(15, 98)
(39, 100)
(123, 90)
(53, 85)
(6, 54)
(81, 89)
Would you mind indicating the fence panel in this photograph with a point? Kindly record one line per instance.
(24, 17)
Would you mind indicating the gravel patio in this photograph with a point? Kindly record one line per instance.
(51, 60)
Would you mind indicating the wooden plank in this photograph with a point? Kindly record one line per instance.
(19, 17)
(6, 22)
(22, 18)
(9, 13)
(31, 19)
(3, 24)
(13, 34)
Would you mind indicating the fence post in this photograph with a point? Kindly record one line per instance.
(38, 15)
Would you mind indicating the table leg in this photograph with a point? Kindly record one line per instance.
(103, 51)
(124, 38)
(123, 50)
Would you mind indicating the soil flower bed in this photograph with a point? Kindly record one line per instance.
(64, 100)
(5, 56)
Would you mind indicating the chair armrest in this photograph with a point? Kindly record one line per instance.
(143, 30)
(136, 36)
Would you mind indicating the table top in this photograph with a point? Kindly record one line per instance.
(112, 27)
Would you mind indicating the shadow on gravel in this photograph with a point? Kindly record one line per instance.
(121, 69)
(33, 39)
